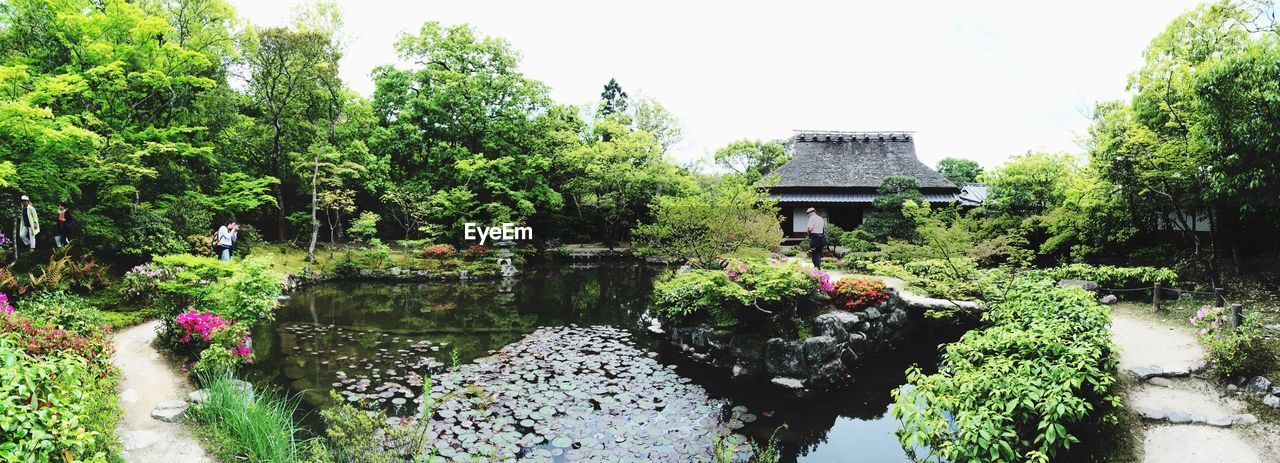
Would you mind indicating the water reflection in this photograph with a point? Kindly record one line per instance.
(334, 336)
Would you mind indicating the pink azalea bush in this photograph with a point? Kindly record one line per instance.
(202, 323)
(1232, 350)
(822, 280)
(222, 345)
(5, 307)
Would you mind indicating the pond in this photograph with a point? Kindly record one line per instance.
(376, 341)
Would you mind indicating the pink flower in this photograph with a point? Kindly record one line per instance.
(202, 323)
(5, 307)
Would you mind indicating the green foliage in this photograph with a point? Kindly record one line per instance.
(1232, 351)
(149, 234)
(959, 171)
(695, 292)
(1112, 277)
(365, 227)
(244, 291)
(887, 220)
(65, 311)
(752, 160)
(1019, 390)
(257, 425)
(58, 391)
(739, 291)
(700, 229)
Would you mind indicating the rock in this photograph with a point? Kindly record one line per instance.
(820, 349)
(1259, 385)
(784, 358)
(928, 303)
(1178, 371)
(1244, 420)
(1220, 421)
(1145, 371)
(748, 350)
(1179, 417)
(1271, 401)
(830, 324)
(858, 343)
(1233, 388)
(1149, 413)
(198, 397)
(1239, 380)
(1275, 390)
(169, 411)
(1159, 381)
(897, 319)
(873, 313)
(395, 271)
(742, 370)
(1108, 299)
(829, 372)
(1083, 284)
(789, 383)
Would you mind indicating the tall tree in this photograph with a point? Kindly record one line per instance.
(959, 171)
(613, 100)
(752, 159)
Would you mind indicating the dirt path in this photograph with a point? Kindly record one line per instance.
(1190, 420)
(146, 380)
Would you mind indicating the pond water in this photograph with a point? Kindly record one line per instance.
(375, 341)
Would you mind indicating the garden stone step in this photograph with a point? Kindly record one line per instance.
(170, 411)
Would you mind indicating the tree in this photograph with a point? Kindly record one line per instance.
(613, 100)
(654, 118)
(887, 221)
(959, 171)
(752, 159)
(1030, 184)
(701, 228)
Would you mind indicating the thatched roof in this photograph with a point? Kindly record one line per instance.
(855, 159)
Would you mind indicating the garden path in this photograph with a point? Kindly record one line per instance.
(146, 380)
(1191, 420)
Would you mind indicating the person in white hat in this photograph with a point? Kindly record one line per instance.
(30, 225)
(817, 238)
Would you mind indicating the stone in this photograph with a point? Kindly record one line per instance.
(1160, 381)
(169, 411)
(1179, 417)
(742, 370)
(1145, 371)
(1275, 390)
(198, 397)
(1148, 413)
(873, 313)
(820, 349)
(1244, 420)
(858, 343)
(1108, 299)
(784, 358)
(897, 319)
(1259, 385)
(830, 324)
(1271, 401)
(789, 383)
(1178, 371)
(1233, 388)
(829, 372)
(1220, 421)
(1239, 380)
(1083, 284)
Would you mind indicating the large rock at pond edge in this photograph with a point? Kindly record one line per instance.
(784, 358)
(1260, 385)
(748, 350)
(897, 319)
(820, 349)
(169, 411)
(858, 343)
(1083, 284)
(873, 313)
(830, 324)
(829, 372)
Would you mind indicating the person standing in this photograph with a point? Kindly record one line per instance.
(62, 235)
(226, 239)
(817, 240)
(30, 223)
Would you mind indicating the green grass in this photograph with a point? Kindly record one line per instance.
(256, 426)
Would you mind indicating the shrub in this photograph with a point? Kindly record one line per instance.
(148, 233)
(1231, 350)
(62, 310)
(725, 295)
(438, 251)
(683, 295)
(856, 293)
(1017, 390)
(143, 280)
(58, 391)
(1113, 277)
(477, 251)
(258, 426)
(62, 272)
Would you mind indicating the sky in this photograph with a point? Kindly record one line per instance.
(979, 80)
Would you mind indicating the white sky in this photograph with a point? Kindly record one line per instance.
(982, 80)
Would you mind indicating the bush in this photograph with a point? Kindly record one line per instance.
(1231, 350)
(856, 293)
(65, 311)
(1019, 389)
(58, 391)
(438, 251)
(256, 426)
(147, 233)
(725, 296)
(62, 272)
(242, 293)
(937, 277)
(1113, 277)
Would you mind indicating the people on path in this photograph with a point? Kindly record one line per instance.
(30, 223)
(224, 241)
(66, 225)
(817, 240)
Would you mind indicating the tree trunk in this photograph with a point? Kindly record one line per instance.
(315, 222)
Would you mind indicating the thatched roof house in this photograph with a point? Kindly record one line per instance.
(837, 173)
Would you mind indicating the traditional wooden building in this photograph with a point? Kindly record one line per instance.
(837, 173)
